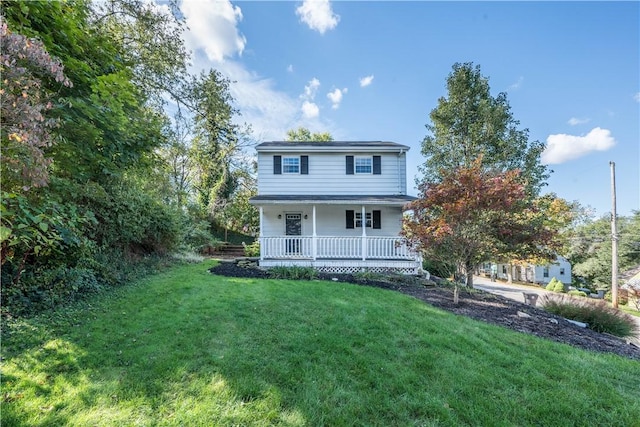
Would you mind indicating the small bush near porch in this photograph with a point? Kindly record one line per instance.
(189, 348)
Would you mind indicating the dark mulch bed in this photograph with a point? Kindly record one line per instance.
(478, 305)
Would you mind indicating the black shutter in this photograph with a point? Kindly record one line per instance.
(350, 221)
(377, 165)
(377, 219)
(304, 165)
(277, 165)
(349, 165)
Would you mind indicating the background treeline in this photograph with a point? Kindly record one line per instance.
(589, 249)
(98, 180)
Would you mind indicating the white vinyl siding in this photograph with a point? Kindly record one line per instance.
(561, 270)
(327, 177)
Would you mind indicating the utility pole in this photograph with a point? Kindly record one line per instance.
(614, 239)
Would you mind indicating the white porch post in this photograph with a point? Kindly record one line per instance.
(314, 241)
(260, 235)
(363, 222)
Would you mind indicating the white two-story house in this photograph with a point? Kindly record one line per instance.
(335, 206)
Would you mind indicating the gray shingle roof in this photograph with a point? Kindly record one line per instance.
(334, 144)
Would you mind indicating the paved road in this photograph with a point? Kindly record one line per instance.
(511, 291)
(515, 292)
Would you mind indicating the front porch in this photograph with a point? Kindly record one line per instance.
(338, 234)
(340, 254)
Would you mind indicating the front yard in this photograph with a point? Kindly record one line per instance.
(189, 348)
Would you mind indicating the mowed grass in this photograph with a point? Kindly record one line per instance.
(186, 348)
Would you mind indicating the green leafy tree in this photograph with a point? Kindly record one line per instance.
(107, 120)
(238, 214)
(177, 163)
(468, 126)
(470, 123)
(590, 248)
(304, 134)
(215, 141)
(92, 134)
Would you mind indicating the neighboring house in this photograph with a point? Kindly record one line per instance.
(540, 274)
(334, 206)
(631, 284)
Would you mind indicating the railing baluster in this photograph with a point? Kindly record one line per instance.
(335, 247)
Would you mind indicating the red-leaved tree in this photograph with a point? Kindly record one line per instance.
(473, 215)
(25, 130)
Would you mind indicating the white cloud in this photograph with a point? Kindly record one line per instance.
(311, 89)
(317, 14)
(290, 68)
(269, 111)
(213, 28)
(336, 97)
(310, 110)
(562, 147)
(517, 84)
(637, 96)
(366, 81)
(573, 121)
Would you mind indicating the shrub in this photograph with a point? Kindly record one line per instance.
(252, 250)
(293, 273)
(598, 316)
(438, 268)
(45, 288)
(370, 275)
(577, 293)
(555, 285)
(197, 236)
(559, 286)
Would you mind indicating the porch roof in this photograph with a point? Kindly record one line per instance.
(392, 200)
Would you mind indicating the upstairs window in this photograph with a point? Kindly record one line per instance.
(291, 165)
(363, 164)
(545, 272)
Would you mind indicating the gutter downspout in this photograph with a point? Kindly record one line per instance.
(400, 153)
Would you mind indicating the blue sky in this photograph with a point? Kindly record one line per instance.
(366, 70)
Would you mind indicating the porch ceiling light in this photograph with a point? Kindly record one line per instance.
(279, 216)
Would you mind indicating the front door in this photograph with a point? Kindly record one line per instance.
(293, 227)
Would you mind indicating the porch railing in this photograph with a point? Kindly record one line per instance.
(334, 247)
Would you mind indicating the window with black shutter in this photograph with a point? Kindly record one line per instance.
(377, 219)
(350, 219)
(377, 165)
(277, 165)
(349, 165)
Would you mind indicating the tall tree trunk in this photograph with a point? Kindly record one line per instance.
(510, 274)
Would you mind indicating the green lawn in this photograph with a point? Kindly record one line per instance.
(186, 348)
